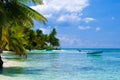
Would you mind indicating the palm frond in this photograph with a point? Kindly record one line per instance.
(32, 13)
(31, 1)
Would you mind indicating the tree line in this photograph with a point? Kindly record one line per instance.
(38, 40)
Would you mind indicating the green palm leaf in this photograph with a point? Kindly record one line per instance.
(15, 18)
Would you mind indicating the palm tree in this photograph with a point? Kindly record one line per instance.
(54, 42)
(14, 40)
(31, 39)
(41, 39)
(36, 39)
(15, 13)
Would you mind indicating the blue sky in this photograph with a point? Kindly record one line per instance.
(83, 23)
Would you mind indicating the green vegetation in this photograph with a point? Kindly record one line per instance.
(16, 27)
(38, 40)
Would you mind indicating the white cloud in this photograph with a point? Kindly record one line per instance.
(98, 28)
(84, 27)
(61, 18)
(45, 30)
(69, 17)
(72, 41)
(63, 11)
(48, 15)
(87, 20)
(56, 5)
(69, 41)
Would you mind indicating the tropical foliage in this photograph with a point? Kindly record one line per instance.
(38, 40)
(16, 27)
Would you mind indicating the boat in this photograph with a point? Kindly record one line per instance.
(79, 50)
(95, 52)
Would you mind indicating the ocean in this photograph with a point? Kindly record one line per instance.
(64, 64)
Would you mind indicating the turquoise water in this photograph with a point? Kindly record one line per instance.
(65, 64)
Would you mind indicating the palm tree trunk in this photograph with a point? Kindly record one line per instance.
(0, 39)
(1, 63)
(1, 50)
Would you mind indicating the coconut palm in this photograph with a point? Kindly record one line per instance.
(31, 39)
(36, 39)
(41, 39)
(14, 40)
(15, 13)
(54, 42)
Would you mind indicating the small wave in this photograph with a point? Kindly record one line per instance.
(53, 51)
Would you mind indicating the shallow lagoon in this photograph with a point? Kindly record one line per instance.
(66, 64)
